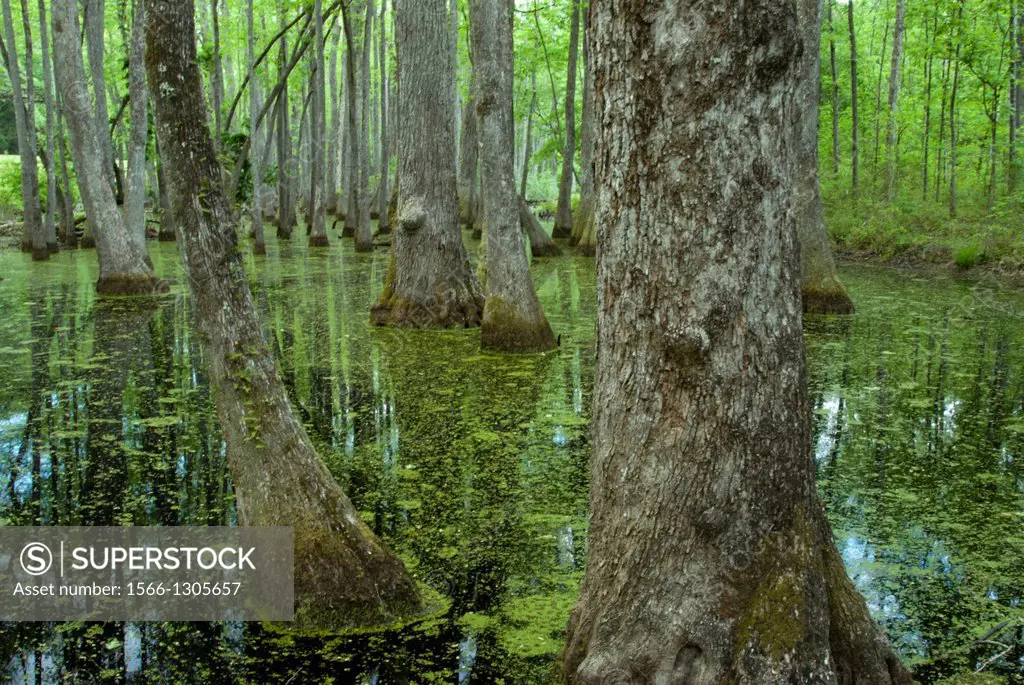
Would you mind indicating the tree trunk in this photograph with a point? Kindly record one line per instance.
(926, 137)
(541, 244)
(364, 234)
(854, 107)
(285, 162)
(317, 115)
(124, 267)
(257, 168)
(49, 219)
(216, 76)
(429, 282)
(513, 319)
(710, 557)
(878, 103)
(351, 129)
(385, 151)
(835, 89)
(563, 215)
(528, 142)
(95, 20)
(822, 290)
(894, 98)
(135, 202)
(584, 234)
(344, 576)
(332, 129)
(953, 128)
(33, 236)
(940, 157)
(67, 207)
(469, 151)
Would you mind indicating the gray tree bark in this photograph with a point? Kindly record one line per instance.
(894, 98)
(49, 218)
(513, 320)
(286, 167)
(351, 170)
(528, 141)
(332, 127)
(835, 89)
(124, 267)
(541, 244)
(135, 200)
(429, 282)
(563, 215)
(67, 208)
(385, 150)
(33, 236)
(584, 232)
(95, 13)
(317, 115)
(469, 153)
(344, 576)
(216, 76)
(822, 290)
(364, 233)
(260, 246)
(710, 557)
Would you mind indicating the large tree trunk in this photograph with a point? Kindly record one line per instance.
(584, 233)
(124, 267)
(49, 219)
(469, 152)
(384, 192)
(894, 99)
(513, 319)
(364, 234)
(33, 236)
(344, 576)
(429, 282)
(317, 114)
(256, 211)
(135, 201)
(854, 106)
(710, 557)
(563, 215)
(822, 290)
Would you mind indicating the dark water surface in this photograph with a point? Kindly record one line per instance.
(474, 467)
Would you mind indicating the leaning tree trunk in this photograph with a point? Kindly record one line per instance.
(135, 202)
(364, 234)
(256, 211)
(513, 318)
(317, 114)
(563, 215)
(50, 220)
(429, 282)
(584, 234)
(124, 267)
(33, 237)
(528, 140)
(822, 290)
(344, 576)
(710, 557)
(541, 244)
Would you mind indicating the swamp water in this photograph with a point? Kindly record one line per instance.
(474, 467)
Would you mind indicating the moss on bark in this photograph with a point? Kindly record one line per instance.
(319, 241)
(828, 297)
(130, 284)
(505, 329)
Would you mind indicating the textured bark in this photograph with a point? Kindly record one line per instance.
(364, 234)
(429, 282)
(33, 237)
(894, 98)
(854, 105)
(167, 232)
(52, 200)
(583, 220)
(135, 200)
(317, 125)
(384, 191)
(469, 152)
(563, 216)
(95, 12)
(124, 267)
(822, 290)
(344, 576)
(835, 89)
(528, 141)
(216, 76)
(351, 170)
(710, 558)
(513, 319)
(67, 206)
(256, 211)
(541, 244)
(332, 127)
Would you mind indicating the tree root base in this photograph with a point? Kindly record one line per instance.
(827, 300)
(133, 284)
(259, 249)
(391, 310)
(40, 255)
(348, 231)
(53, 248)
(319, 241)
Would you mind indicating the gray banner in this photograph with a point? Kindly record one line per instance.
(146, 574)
